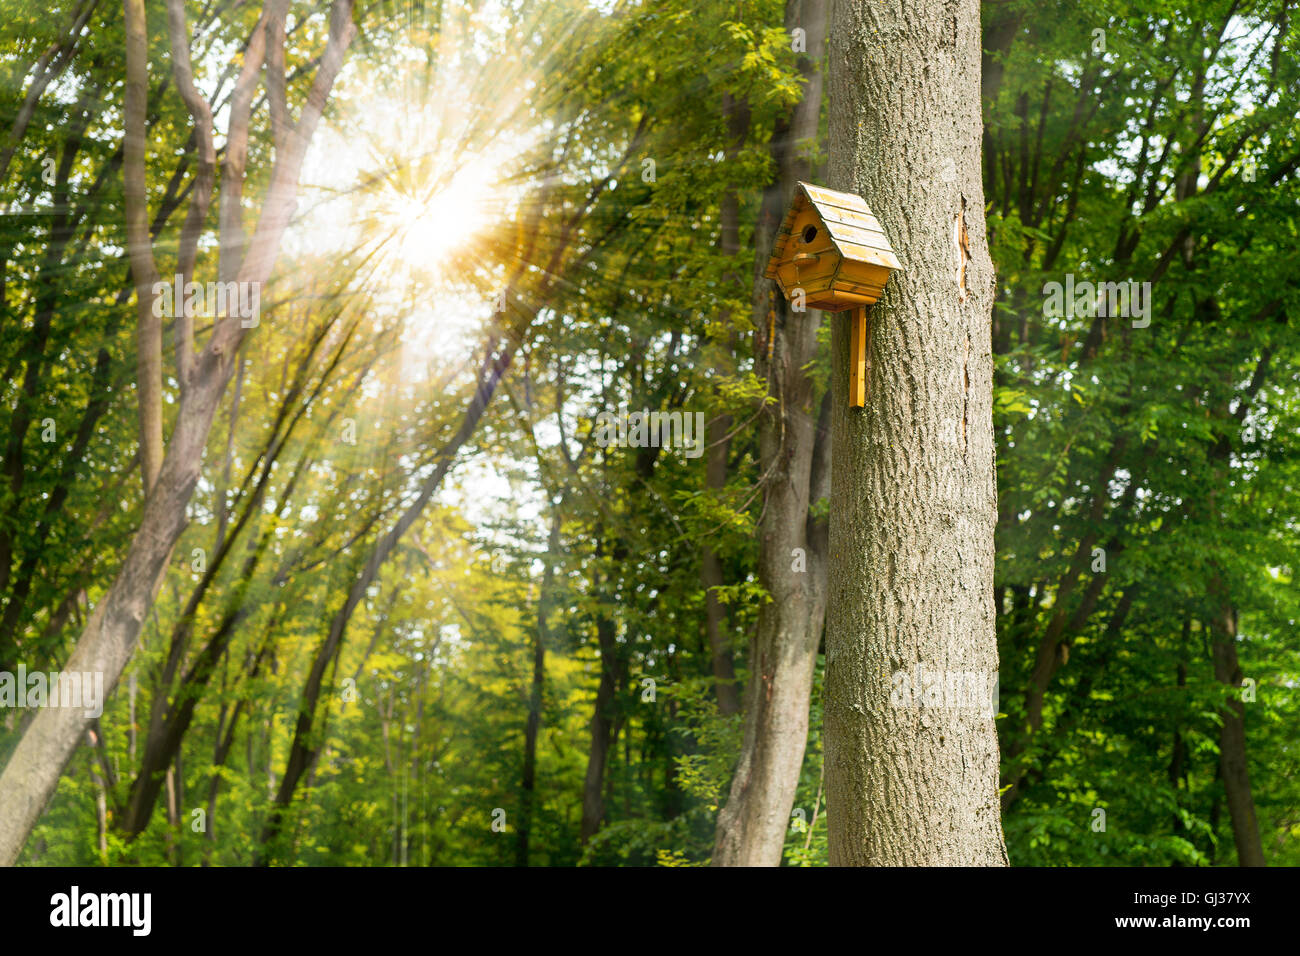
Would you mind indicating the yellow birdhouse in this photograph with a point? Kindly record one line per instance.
(834, 252)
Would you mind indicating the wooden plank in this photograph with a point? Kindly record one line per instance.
(807, 277)
(848, 218)
(858, 294)
(868, 274)
(841, 213)
(858, 358)
(878, 257)
(871, 238)
(822, 194)
(856, 217)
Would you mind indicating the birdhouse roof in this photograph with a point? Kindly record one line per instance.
(855, 232)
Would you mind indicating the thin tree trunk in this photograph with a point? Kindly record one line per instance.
(602, 730)
(913, 497)
(140, 246)
(1178, 749)
(34, 353)
(101, 782)
(534, 721)
(715, 618)
(497, 358)
(226, 742)
(101, 820)
(174, 705)
(305, 749)
(223, 481)
(793, 449)
(173, 817)
(1233, 766)
(132, 731)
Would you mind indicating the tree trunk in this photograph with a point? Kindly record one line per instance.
(912, 494)
(1232, 745)
(602, 728)
(533, 725)
(148, 384)
(792, 448)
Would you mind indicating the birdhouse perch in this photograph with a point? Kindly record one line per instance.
(833, 250)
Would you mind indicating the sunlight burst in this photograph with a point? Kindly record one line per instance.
(431, 231)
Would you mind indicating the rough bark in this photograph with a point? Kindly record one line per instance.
(792, 453)
(912, 494)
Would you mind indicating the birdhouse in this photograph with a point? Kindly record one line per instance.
(834, 251)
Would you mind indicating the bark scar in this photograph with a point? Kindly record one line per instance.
(965, 395)
(961, 242)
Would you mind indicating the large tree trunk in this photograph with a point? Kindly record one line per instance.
(912, 494)
(793, 451)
